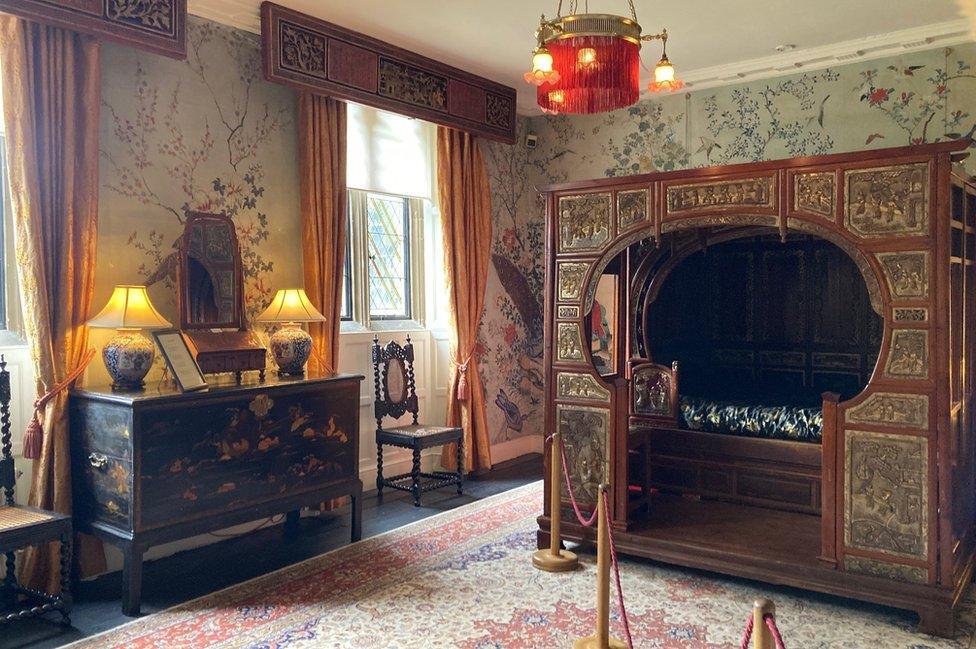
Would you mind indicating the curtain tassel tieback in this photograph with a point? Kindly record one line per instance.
(463, 391)
(34, 435)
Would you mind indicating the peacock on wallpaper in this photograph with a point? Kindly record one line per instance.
(209, 134)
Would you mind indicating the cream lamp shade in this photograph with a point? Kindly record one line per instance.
(129, 308)
(129, 355)
(291, 305)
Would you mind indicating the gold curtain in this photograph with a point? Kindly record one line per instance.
(322, 166)
(465, 206)
(51, 97)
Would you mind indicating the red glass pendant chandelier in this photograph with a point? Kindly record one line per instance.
(590, 63)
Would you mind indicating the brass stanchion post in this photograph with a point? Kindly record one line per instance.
(601, 639)
(762, 638)
(555, 559)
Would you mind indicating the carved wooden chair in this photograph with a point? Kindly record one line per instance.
(22, 526)
(396, 395)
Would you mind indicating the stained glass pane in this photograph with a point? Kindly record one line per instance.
(388, 256)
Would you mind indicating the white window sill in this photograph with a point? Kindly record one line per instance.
(11, 340)
(383, 326)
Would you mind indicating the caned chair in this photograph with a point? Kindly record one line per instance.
(396, 395)
(22, 526)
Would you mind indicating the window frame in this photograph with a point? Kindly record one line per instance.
(357, 258)
(407, 266)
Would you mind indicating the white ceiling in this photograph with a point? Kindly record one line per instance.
(712, 41)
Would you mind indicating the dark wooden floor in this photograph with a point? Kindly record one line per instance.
(193, 573)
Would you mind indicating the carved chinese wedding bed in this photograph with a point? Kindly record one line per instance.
(770, 365)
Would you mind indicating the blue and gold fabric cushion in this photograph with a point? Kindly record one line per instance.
(770, 422)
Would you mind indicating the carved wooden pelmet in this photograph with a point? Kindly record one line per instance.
(312, 54)
(155, 25)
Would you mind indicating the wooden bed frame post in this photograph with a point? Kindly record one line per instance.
(828, 484)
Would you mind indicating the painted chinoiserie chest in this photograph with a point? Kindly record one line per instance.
(159, 465)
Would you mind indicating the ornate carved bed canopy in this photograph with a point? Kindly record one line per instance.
(909, 224)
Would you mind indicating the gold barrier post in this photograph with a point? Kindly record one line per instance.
(762, 638)
(555, 559)
(601, 639)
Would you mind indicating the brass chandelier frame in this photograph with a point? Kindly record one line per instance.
(587, 24)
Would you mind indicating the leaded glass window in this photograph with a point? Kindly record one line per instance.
(388, 256)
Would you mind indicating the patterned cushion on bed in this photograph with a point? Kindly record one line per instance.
(771, 422)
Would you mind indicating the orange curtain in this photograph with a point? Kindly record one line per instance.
(322, 166)
(465, 206)
(51, 97)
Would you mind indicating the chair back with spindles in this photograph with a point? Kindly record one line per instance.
(393, 378)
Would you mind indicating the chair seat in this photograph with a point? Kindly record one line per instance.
(418, 435)
(21, 526)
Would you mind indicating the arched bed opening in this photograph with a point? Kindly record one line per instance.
(738, 335)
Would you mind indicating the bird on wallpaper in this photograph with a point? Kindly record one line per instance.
(908, 71)
(820, 113)
(707, 145)
(531, 372)
(525, 301)
(513, 414)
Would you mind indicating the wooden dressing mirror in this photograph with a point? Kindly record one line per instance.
(212, 293)
(211, 297)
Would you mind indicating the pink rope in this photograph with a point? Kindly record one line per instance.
(770, 624)
(777, 638)
(747, 634)
(616, 570)
(586, 522)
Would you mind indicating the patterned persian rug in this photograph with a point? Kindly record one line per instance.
(464, 579)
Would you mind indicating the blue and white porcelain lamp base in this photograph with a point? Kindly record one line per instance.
(128, 357)
(291, 346)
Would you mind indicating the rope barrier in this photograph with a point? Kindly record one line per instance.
(588, 522)
(604, 502)
(773, 630)
(747, 634)
(616, 571)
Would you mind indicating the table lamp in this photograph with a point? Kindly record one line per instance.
(129, 355)
(291, 345)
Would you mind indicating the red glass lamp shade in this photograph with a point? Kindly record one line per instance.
(596, 74)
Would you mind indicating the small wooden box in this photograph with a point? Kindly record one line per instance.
(227, 351)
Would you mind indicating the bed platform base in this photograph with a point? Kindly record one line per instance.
(766, 472)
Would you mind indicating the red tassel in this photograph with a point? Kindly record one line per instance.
(33, 438)
(462, 388)
(34, 435)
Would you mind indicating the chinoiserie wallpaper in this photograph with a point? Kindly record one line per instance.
(209, 134)
(919, 97)
(205, 134)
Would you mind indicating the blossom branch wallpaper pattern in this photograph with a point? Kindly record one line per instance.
(207, 134)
